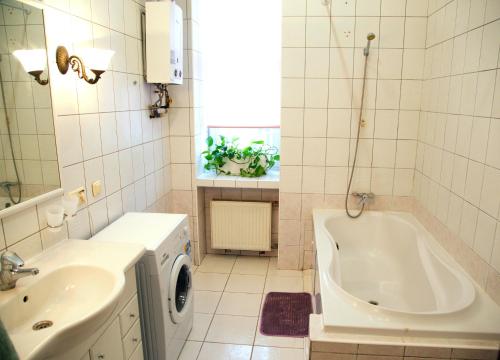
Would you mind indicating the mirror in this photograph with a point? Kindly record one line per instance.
(26, 118)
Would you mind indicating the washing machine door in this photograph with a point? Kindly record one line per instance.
(180, 294)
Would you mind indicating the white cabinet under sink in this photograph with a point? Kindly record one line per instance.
(120, 337)
(109, 345)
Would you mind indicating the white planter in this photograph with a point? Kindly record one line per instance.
(233, 167)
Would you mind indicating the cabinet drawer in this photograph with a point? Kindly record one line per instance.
(129, 315)
(132, 339)
(109, 345)
(138, 354)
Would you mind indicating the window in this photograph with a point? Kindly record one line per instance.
(241, 61)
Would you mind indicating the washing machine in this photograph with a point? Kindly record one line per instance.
(164, 278)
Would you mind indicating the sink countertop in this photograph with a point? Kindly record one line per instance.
(112, 257)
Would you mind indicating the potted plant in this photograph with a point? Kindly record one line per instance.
(226, 157)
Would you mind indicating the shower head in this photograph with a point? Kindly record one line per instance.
(369, 38)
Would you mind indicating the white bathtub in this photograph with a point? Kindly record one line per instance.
(390, 260)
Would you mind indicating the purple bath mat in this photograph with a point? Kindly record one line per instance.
(286, 314)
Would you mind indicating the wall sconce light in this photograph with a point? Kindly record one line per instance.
(33, 62)
(97, 60)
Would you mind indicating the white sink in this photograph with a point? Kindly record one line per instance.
(49, 314)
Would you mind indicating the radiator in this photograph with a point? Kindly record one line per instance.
(241, 225)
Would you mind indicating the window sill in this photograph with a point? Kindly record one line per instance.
(209, 179)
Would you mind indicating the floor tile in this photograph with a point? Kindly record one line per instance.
(274, 353)
(206, 301)
(245, 283)
(209, 281)
(217, 264)
(201, 323)
(239, 304)
(278, 341)
(190, 350)
(211, 351)
(251, 265)
(274, 271)
(284, 284)
(232, 329)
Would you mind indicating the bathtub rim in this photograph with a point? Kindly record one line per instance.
(479, 321)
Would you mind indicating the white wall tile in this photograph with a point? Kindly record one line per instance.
(79, 225)
(485, 93)
(337, 153)
(94, 172)
(473, 182)
(140, 194)
(391, 32)
(91, 136)
(343, 7)
(314, 151)
(128, 198)
(313, 179)
(111, 165)
(68, 135)
(367, 7)
(382, 181)
(98, 215)
(114, 204)
(291, 178)
(490, 195)
(18, 226)
(468, 223)
(294, 8)
(29, 247)
(485, 236)
(317, 31)
(317, 62)
(292, 122)
(293, 62)
(316, 93)
(478, 145)
(108, 129)
(414, 35)
(384, 153)
(137, 153)
(493, 152)
(393, 8)
(292, 93)
(343, 32)
(293, 32)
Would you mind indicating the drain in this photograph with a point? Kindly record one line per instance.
(42, 325)
(373, 302)
(337, 244)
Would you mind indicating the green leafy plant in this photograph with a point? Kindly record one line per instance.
(253, 160)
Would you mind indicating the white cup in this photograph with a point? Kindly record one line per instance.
(55, 216)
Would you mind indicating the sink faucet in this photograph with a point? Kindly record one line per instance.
(12, 270)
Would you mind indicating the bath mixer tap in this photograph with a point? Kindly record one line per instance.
(363, 197)
(12, 270)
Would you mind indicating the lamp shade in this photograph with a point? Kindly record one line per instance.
(95, 59)
(32, 60)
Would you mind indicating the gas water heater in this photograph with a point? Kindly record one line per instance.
(164, 42)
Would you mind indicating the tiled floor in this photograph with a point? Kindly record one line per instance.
(229, 293)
